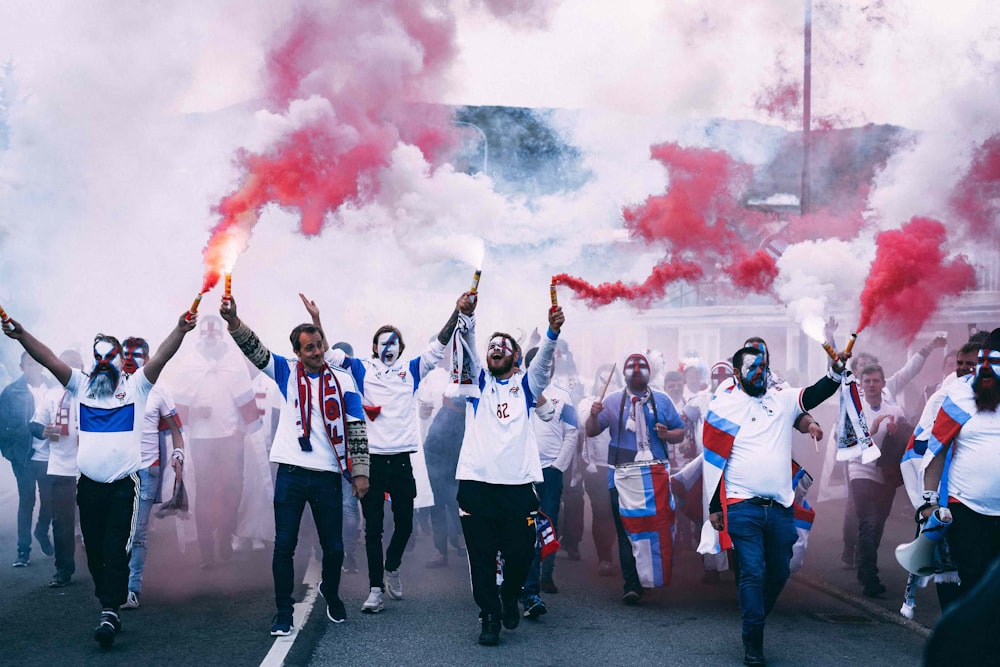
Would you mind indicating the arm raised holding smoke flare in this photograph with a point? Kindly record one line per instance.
(541, 368)
(244, 336)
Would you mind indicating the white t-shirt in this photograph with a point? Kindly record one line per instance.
(62, 452)
(760, 464)
(159, 406)
(111, 427)
(974, 474)
(39, 447)
(556, 438)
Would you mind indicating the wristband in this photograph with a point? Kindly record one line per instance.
(177, 455)
(930, 497)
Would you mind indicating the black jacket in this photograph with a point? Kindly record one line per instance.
(17, 407)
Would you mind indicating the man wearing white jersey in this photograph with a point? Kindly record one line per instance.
(320, 440)
(390, 385)
(112, 407)
(161, 418)
(497, 467)
(555, 427)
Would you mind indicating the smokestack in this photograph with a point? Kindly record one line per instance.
(804, 199)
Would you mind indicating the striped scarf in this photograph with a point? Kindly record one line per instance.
(334, 419)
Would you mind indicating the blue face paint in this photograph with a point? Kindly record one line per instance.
(988, 362)
(754, 371)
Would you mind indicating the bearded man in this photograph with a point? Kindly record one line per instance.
(968, 424)
(497, 467)
(112, 408)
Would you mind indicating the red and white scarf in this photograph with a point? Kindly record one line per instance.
(462, 381)
(62, 414)
(331, 399)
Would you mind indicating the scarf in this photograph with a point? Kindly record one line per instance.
(853, 439)
(331, 398)
(462, 382)
(62, 415)
(636, 415)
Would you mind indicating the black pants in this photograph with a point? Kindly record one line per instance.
(629, 572)
(390, 474)
(975, 542)
(873, 503)
(108, 513)
(496, 520)
(63, 522)
(602, 527)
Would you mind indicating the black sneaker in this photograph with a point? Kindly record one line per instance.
(873, 589)
(107, 628)
(60, 579)
(533, 606)
(490, 635)
(44, 543)
(281, 624)
(21, 560)
(510, 614)
(632, 597)
(335, 610)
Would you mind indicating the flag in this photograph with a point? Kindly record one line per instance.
(545, 535)
(647, 512)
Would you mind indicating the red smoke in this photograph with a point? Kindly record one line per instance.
(364, 67)
(654, 287)
(910, 276)
(977, 196)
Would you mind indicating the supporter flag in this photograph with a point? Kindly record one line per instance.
(647, 511)
(545, 535)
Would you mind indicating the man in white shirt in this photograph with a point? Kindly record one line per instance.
(112, 406)
(320, 440)
(497, 467)
(872, 492)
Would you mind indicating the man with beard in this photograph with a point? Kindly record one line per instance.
(497, 467)
(748, 466)
(391, 384)
(641, 422)
(968, 481)
(18, 403)
(161, 419)
(320, 442)
(112, 407)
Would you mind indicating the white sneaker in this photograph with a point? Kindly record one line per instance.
(392, 585)
(132, 601)
(375, 602)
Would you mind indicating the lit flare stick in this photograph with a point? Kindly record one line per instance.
(608, 383)
(554, 296)
(850, 344)
(228, 293)
(4, 317)
(832, 352)
(475, 281)
(193, 310)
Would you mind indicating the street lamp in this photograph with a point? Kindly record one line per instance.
(486, 144)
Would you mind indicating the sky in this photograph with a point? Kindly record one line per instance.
(121, 125)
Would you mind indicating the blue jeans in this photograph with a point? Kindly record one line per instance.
(293, 488)
(762, 543)
(149, 480)
(549, 494)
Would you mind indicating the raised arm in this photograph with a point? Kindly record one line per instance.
(823, 389)
(168, 348)
(244, 337)
(541, 368)
(39, 351)
(434, 352)
(313, 311)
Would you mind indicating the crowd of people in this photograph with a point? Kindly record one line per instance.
(499, 454)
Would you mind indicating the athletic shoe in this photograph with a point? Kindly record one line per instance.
(632, 597)
(335, 610)
(107, 628)
(510, 614)
(548, 586)
(132, 601)
(490, 635)
(22, 559)
(392, 584)
(375, 602)
(873, 589)
(604, 569)
(44, 543)
(281, 624)
(60, 579)
(533, 606)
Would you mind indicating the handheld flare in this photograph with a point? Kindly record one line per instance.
(554, 296)
(228, 293)
(832, 352)
(475, 281)
(850, 344)
(4, 317)
(193, 310)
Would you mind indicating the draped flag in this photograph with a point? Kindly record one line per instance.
(803, 515)
(958, 407)
(545, 534)
(722, 424)
(647, 511)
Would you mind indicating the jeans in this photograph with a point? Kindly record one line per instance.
(390, 474)
(149, 480)
(629, 572)
(549, 494)
(32, 475)
(602, 527)
(762, 544)
(63, 523)
(352, 523)
(872, 504)
(294, 487)
(107, 514)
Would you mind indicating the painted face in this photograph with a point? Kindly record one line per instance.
(753, 374)
(988, 364)
(107, 357)
(762, 348)
(636, 371)
(388, 347)
(500, 355)
(499, 345)
(133, 357)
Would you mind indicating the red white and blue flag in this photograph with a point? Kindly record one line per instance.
(647, 511)
(545, 535)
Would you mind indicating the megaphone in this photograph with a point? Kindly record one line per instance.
(918, 557)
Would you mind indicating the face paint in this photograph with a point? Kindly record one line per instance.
(107, 357)
(499, 345)
(388, 347)
(133, 358)
(988, 363)
(754, 374)
(636, 369)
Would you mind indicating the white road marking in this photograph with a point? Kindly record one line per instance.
(282, 645)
